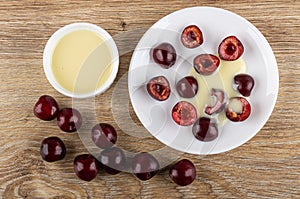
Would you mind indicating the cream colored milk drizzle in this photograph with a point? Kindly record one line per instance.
(81, 62)
(221, 79)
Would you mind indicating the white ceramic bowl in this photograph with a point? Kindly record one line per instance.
(59, 34)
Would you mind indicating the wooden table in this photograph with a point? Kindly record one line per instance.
(268, 166)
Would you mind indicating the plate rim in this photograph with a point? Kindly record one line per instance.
(269, 51)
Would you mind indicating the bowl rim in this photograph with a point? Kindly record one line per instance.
(58, 35)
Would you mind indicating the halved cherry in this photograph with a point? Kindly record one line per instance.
(220, 101)
(206, 64)
(238, 109)
(245, 84)
(164, 55)
(230, 49)
(184, 113)
(159, 88)
(205, 129)
(191, 36)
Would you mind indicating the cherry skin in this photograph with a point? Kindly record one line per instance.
(145, 166)
(159, 88)
(86, 167)
(206, 64)
(104, 135)
(46, 108)
(220, 102)
(113, 160)
(191, 36)
(238, 109)
(205, 129)
(245, 84)
(69, 120)
(230, 49)
(184, 113)
(164, 55)
(52, 149)
(183, 172)
(187, 87)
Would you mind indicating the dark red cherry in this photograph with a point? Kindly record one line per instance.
(46, 108)
(164, 55)
(145, 166)
(230, 49)
(86, 167)
(104, 135)
(52, 149)
(245, 84)
(184, 113)
(205, 129)
(187, 87)
(69, 119)
(220, 102)
(191, 36)
(206, 64)
(159, 88)
(238, 109)
(183, 172)
(113, 160)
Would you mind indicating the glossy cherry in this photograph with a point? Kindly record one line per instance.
(86, 167)
(184, 113)
(145, 166)
(165, 55)
(69, 119)
(230, 49)
(191, 36)
(52, 149)
(245, 84)
(187, 87)
(46, 108)
(183, 172)
(205, 129)
(159, 88)
(238, 109)
(206, 64)
(104, 135)
(113, 160)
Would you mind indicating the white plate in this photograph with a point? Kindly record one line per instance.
(215, 24)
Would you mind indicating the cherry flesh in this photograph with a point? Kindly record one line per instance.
(206, 64)
(191, 36)
(220, 103)
(230, 49)
(238, 109)
(184, 113)
(159, 88)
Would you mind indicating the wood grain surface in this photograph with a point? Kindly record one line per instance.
(267, 166)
